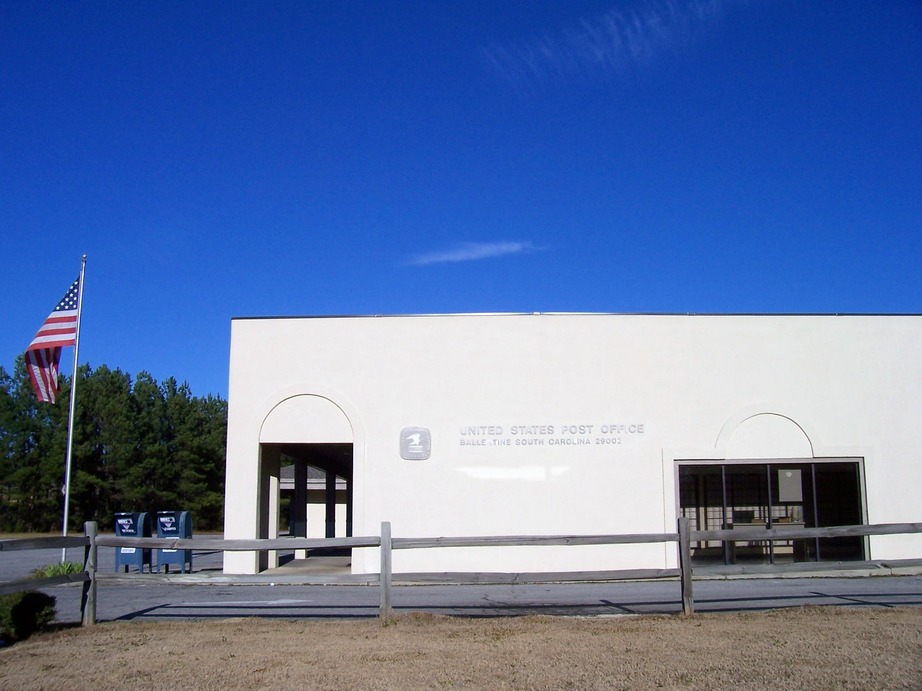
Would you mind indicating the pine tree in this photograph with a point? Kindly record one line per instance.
(138, 446)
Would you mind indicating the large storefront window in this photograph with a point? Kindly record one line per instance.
(780, 493)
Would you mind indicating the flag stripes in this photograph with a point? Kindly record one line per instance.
(42, 365)
(43, 355)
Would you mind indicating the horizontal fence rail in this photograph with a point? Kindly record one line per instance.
(30, 543)
(530, 540)
(87, 577)
(772, 534)
(222, 545)
(384, 579)
(24, 543)
(532, 577)
(24, 584)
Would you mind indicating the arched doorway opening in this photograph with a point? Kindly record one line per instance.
(306, 474)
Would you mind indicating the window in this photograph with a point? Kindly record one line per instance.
(794, 493)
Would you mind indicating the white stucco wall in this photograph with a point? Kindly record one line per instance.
(673, 387)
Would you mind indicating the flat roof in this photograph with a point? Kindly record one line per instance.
(584, 314)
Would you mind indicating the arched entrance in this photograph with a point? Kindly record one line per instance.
(306, 471)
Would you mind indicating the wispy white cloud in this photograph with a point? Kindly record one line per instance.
(624, 37)
(472, 251)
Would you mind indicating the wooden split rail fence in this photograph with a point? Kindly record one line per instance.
(683, 538)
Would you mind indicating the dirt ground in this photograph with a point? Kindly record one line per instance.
(806, 648)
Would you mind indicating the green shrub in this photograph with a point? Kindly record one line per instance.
(22, 614)
(61, 568)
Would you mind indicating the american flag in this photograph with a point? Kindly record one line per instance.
(44, 352)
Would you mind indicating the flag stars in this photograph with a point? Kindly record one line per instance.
(69, 301)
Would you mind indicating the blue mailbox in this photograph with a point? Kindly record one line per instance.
(132, 525)
(176, 524)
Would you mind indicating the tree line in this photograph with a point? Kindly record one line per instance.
(139, 445)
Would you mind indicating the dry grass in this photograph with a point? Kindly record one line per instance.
(806, 648)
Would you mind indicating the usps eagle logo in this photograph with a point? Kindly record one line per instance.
(415, 443)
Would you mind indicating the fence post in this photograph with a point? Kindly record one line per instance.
(386, 610)
(688, 600)
(88, 600)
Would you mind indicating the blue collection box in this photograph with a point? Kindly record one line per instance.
(132, 525)
(176, 524)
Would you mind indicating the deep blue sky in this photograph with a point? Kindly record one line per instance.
(221, 159)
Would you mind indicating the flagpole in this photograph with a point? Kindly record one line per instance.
(70, 415)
